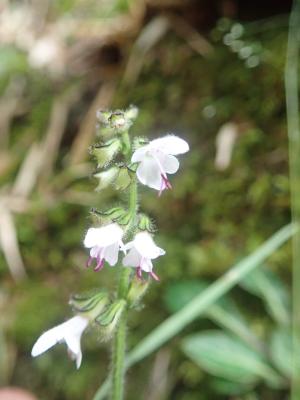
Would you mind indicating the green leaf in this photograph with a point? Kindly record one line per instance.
(229, 388)
(281, 351)
(224, 312)
(266, 285)
(225, 357)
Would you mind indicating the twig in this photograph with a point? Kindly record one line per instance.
(9, 244)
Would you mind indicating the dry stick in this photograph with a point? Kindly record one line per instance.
(196, 307)
(56, 129)
(292, 105)
(9, 244)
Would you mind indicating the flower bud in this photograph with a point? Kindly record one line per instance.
(109, 319)
(106, 178)
(131, 113)
(136, 291)
(105, 153)
(115, 214)
(115, 121)
(145, 223)
(123, 179)
(90, 303)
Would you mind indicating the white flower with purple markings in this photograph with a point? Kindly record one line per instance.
(142, 250)
(156, 160)
(105, 243)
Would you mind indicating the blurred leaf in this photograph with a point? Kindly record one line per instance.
(178, 294)
(281, 351)
(266, 285)
(222, 356)
(224, 312)
(229, 388)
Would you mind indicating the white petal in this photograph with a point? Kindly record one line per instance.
(95, 251)
(146, 265)
(146, 247)
(111, 254)
(170, 145)
(148, 173)
(104, 236)
(139, 154)
(132, 259)
(47, 340)
(169, 163)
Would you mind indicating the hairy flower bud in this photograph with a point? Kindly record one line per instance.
(118, 121)
(90, 303)
(123, 179)
(145, 223)
(106, 178)
(105, 153)
(137, 290)
(109, 319)
(131, 113)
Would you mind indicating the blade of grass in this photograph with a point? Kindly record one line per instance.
(292, 108)
(178, 321)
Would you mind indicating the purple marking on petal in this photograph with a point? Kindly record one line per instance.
(165, 184)
(154, 276)
(89, 262)
(100, 264)
(139, 273)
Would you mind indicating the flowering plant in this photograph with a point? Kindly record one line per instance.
(123, 163)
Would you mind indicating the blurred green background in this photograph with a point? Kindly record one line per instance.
(210, 72)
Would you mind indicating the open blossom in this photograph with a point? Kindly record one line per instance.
(69, 332)
(141, 251)
(156, 160)
(105, 243)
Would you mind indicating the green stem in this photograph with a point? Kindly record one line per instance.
(118, 359)
(119, 346)
(292, 106)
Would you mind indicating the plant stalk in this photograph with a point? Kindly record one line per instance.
(119, 346)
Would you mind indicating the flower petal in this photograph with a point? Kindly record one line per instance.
(132, 259)
(146, 247)
(169, 163)
(139, 154)
(111, 254)
(170, 144)
(104, 236)
(47, 340)
(146, 265)
(149, 173)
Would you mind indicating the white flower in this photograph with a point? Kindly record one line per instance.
(157, 160)
(69, 332)
(142, 251)
(105, 243)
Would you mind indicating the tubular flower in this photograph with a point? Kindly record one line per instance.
(156, 160)
(69, 332)
(105, 243)
(141, 251)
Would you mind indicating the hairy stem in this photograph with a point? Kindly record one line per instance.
(119, 346)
